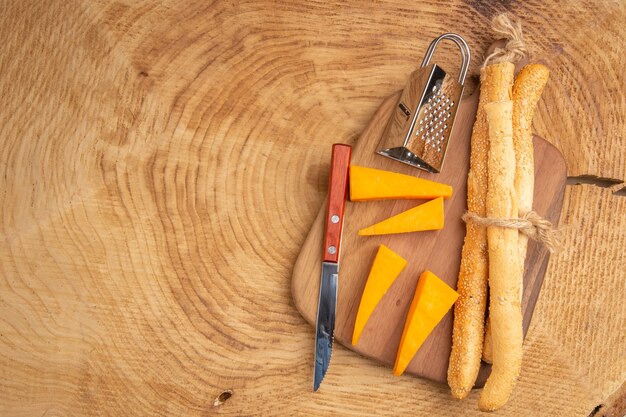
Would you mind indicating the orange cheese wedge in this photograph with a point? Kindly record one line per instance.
(375, 184)
(427, 216)
(432, 300)
(386, 268)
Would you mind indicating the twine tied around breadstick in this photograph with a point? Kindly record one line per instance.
(514, 49)
(531, 224)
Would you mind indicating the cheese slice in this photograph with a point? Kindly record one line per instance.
(375, 184)
(385, 269)
(432, 300)
(427, 216)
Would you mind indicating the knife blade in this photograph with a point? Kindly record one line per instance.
(327, 306)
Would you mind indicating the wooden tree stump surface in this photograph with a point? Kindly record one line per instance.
(161, 163)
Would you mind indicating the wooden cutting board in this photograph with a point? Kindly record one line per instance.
(438, 251)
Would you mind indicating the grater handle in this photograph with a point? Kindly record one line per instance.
(460, 42)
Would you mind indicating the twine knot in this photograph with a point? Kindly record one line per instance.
(531, 224)
(514, 48)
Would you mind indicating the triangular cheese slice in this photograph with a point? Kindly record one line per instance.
(386, 268)
(375, 184)
(427, 216)
(432, 300)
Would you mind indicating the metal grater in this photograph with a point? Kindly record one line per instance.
(419, 129)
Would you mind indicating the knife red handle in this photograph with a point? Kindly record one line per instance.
(337, 188)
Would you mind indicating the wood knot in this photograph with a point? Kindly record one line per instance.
(223, 397)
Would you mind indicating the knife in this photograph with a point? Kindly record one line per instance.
(326, 309)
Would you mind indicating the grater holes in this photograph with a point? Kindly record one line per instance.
(433, 124)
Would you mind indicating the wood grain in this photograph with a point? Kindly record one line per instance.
(437, 251)
(161, 164)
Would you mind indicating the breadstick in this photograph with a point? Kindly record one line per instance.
(527, 89)
(469, 310)
(504, 306)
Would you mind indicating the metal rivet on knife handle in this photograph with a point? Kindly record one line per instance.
(332, 250)
(334, 219)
